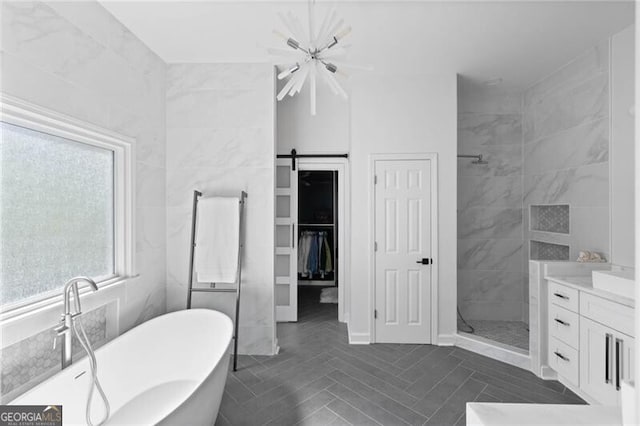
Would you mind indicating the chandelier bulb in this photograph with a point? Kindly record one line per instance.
(280, 35)
(331, 67)
(342, 34)
(289, 71)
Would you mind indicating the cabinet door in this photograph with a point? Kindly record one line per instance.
(286, 276)
(597, 362)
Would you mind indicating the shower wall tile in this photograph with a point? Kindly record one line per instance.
(75, 58)
(490, 254)
(582, 104)
(593, 62)
(491, 285)
(503, 160)
(578, 146)
(490, 226)
(220, 141)
(486, 222)
(479, 130)
(497, 192)
(586, 186)
(566, 150)
(492, 310)
(590, 231)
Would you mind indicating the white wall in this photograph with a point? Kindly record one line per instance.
(408, 114)
(385, 114)
(77, 59)
(220, 141)
(326, 132)
(622, 147)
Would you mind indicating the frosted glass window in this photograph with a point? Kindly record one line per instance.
(56, 212)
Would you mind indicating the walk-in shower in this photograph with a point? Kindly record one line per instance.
(492, 266)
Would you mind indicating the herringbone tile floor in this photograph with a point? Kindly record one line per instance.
(319, 379)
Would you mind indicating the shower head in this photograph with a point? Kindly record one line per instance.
(478, 158)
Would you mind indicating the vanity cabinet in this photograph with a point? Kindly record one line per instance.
(590, 341)
(606, 358)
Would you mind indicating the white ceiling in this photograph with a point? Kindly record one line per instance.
(518, 41)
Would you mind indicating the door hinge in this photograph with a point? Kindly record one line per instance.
(375, 246)
(375, 179)
(375, 314)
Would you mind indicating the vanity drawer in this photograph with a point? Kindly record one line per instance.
(564, 325)
(564, 360)
(612, 314)
(563, 296)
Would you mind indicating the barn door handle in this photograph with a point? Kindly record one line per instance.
(425, 261)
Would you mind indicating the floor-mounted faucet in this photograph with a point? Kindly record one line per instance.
(65, 329)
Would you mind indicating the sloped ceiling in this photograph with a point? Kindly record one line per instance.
(518, 41)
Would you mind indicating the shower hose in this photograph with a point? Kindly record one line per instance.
(469, 329)
(86, 345)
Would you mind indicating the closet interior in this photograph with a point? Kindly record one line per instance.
(317, 228)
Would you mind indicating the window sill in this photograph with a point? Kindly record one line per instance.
(27, 320)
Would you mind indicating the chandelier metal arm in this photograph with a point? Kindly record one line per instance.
(311, 50)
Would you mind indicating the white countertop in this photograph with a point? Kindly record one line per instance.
(541, 414)
(585, 283)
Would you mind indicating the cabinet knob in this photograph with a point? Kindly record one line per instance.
(562, 357)
(561, 296)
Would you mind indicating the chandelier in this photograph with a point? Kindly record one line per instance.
(312, 53)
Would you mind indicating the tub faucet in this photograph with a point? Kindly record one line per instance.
(65, 329)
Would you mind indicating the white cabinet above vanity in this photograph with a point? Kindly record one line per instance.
(590, 337)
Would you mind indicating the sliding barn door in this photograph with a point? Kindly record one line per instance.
(286, 268)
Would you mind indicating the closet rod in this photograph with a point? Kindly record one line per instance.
(295, 155)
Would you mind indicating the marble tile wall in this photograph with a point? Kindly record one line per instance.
(566, 150)
(220, 140)
(77, 59)
(29, 361)
(490, 245)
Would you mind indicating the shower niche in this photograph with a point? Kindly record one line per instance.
(550, 218)
(550, 226)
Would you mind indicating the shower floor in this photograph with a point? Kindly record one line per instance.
(512, 333)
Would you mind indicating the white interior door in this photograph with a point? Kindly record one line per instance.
(286, 268)
(402, 241)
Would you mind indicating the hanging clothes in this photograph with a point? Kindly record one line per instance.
(304, 247)
(314, 254)
(328, 267)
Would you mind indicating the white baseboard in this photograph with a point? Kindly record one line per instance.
(358, 338)
(548, 373)
(446, 340)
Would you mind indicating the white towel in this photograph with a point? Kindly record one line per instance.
(217, 240)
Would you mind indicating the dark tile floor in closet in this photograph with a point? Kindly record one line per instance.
(319, 379)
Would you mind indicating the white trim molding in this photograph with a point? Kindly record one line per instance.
(33, 311)
(341, 165)
(493, 350)
(447, 340)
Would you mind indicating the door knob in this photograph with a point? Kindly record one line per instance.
(425, 261)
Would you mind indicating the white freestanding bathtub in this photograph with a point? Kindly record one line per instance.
(170, 370)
